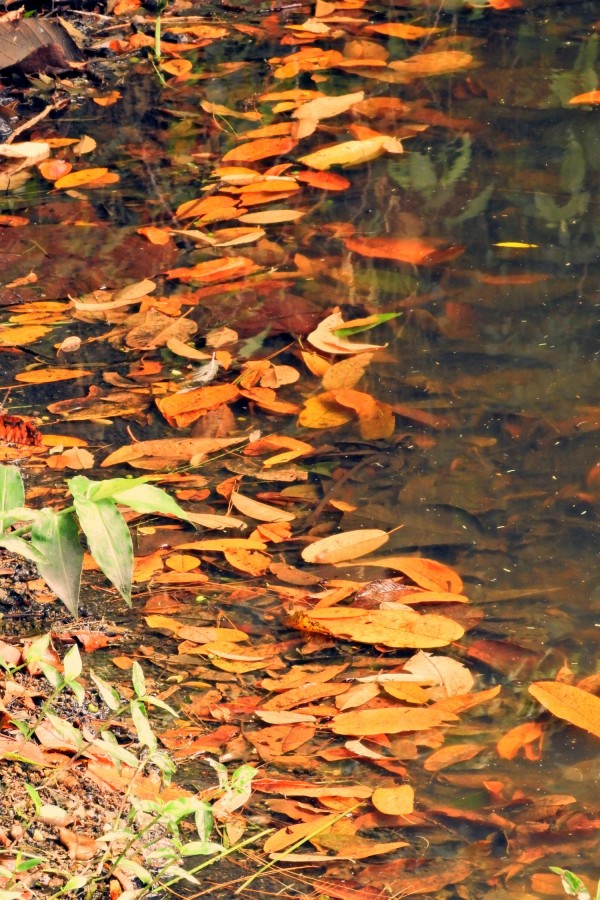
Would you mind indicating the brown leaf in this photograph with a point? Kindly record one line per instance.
(157, 330)
(79, 846)
(163, 453)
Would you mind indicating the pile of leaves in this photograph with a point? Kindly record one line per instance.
(298, 587)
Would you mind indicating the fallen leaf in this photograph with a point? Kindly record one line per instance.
(345, 545)
(262, 148)
(568, 702)
(351, 153)
(325, 339)
(79, 846)
(49, 375)
(260, 511)
(389, 720)
(395, 801)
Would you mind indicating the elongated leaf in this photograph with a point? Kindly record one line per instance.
(568, 702)
(15, 544)
(56, 538)
(12, 493)
(109, 541)
(146, 498)
(83, 487)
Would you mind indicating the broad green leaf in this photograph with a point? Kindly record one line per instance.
(106, 691)
(65, 731)
(109, 541)
(138, 680)
(201, 848)
(146, 498)
(72, 664)
(374, 320)
(142, 726)
(15, 544)
(56, 538)
(81, 486)
(37, 650)
(12, 493)
(178, 809)
(116, 753)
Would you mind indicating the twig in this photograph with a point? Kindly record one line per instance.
(31, 122)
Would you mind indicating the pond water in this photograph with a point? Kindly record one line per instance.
(491, 370)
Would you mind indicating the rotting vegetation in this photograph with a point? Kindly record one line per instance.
(330, 697)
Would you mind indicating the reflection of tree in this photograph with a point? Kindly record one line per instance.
(439, 177)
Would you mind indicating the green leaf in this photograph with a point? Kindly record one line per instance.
(66, 732)
(116, 753)
(142, 726)
(72, 664)
(138, 680)
(12, 493)
(56, 538)
(356, 329)
(86, 489)
(201, 848)
(147, 498)
(15, 544)
(106, 691)
(35, 797)
(109, 541)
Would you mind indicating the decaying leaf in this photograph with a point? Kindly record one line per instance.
(577, 706)
(343, 546)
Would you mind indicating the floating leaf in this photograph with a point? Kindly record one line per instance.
(389, 720)
(345, 545)
(437, 63)
(325, 337)
(261, 148)
(395, 801)
(577, 706)
(351, 153)
(391, 627)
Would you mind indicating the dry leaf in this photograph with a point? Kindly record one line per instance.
(571, 703)
(345, 545)
(395, 801)
(389, 720)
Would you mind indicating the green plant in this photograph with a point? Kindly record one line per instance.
(146, 837)
(574, 886)
(50, 538)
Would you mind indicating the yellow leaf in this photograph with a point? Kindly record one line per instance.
(389, 720)
(396, 801)
(432, 63)
(323, 412)
(392, 627)
(577, 706)
(48, 375)
(23, 334)
(346, 545)
(351, 153)
(80, 178)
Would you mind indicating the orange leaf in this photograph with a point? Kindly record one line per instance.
(290, 834)
(49, 375)
(402, 30)
(391, 627)
(108, 99)
(260, 149)
(590, 97)
(388, 720)
(251, 561)
(520, 738)
(215, 270)
(571, 703)
(433, 63)
(324, 181)
(53, 169)
(396, 801)
(80, 178)
(155, 235)
(416, 251)
(22, 334)
(177, 67)
(323, 412)
(343, 546)
(184, 407)
(449, 756)
(427, 573)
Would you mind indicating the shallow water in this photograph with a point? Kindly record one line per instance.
(493, 360)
